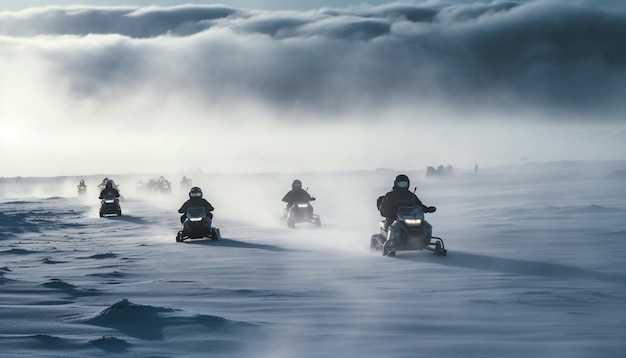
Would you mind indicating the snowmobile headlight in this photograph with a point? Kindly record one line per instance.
(195, 219)
(413, 221)
(303, 205)
(109, 201)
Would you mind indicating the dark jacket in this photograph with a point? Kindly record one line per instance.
(389, 204)
(196, 203)
(296, 195)
(109, 190)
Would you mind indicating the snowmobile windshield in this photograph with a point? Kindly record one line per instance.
(407, 213)
(109, 198)
(196, 214)
(301, 198)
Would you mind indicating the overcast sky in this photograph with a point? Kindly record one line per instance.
(249, 4)
(259, 4)
(245, 87)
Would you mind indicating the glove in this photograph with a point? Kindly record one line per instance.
(432, 209)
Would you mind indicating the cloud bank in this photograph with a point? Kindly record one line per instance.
(570, 58)
(560, 62)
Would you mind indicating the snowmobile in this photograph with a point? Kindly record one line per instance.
(166, 188)
(82, 190)
(300, 212)
(110, 205)
(197, 225)
(410, 231)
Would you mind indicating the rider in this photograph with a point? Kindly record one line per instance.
(399, 196)
(163, 182)
(296, 194)
(103, 184)
(109, 188)
(82, 188)
(185, 182)
(195, 201)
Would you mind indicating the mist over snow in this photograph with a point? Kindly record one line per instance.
(92, 89)
(535, 268)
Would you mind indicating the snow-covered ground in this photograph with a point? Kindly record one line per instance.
(535, 268)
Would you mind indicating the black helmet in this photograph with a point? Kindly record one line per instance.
(402, 181)
(297, 184)
(195, 192)
(109, 183)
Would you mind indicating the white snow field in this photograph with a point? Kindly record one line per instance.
(535, 268)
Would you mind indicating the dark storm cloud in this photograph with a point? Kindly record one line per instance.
(126, 21)
(543, 56)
